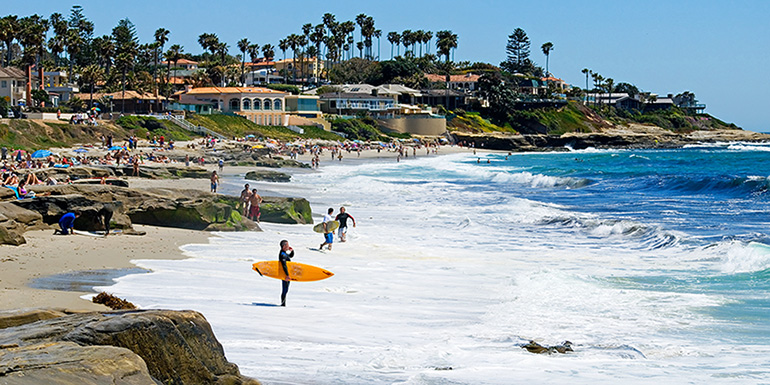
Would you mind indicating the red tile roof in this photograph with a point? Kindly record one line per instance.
(453, 78)
(232, 90)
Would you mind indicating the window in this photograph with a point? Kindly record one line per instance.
(266, 104)
(257, 104)
(4, 84)
(277, 105)
(246, 104)
(235, 105)
(259, 119)
(270, 120)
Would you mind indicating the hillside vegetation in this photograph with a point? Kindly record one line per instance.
(237, 126)
(575, 117)
(35, 134)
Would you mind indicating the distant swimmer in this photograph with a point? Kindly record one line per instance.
(285, 255)
(328, 234)
(342, 218)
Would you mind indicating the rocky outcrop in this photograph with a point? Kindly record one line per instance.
(281, 210)
(628, 139)
(15, 220)
(188, 209)
(168, 171)
(117, 347)
(268, 176)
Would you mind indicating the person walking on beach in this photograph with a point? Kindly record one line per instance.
(243, 201)
(285, 255)
(214, 181)
(328, 235)
(342, 218)
(254, 201)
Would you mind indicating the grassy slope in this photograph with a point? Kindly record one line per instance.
(575, 117)
(34, 134)
(238, 126)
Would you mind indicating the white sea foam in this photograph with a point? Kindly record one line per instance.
(440, 273)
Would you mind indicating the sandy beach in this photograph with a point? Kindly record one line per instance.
(47, 255)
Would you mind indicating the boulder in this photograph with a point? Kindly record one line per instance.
(67, 363)
(286, 210)
(177, 347)
(15, 220)
(11, 318)
(268, 176)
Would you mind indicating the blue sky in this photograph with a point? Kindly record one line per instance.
(716, 49)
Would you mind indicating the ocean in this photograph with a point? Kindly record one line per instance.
(655, 264)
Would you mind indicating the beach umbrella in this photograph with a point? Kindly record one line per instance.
(115, 148)
(81, 150)
(41, 154)
(250, 136)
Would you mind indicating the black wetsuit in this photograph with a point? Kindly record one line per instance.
(284, 257)
(105, 214)
(343, 219)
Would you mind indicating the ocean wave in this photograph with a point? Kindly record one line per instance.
(540, 180)
(740, 256)
(649, 237)
(748, 147)
(741, 185)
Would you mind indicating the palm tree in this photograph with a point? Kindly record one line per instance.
(32, 30)
(73, 43)
(406, 39)
(393, 38)
(586, 72)
(268, 51)
(56, 43)
(609, 83)
(547, 47)
(378, 34)
(598, 79)
(361, 20)
(302, 42)
(9, 30)
(427, 36)
(293, 41)
(161, 37)
(175, 51)
(243, 46)
(419, 36)
(446, 42)
(91, 75)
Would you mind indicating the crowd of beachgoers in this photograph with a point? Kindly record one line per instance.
(19, 167)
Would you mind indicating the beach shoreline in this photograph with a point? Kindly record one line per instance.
(45, 255)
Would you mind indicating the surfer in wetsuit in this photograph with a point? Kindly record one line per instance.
(67, 222)
(342, 217)
(105, 216)
(285, 255)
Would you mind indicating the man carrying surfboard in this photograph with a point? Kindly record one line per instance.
(285, 255)
(328, 233)
(342, 218)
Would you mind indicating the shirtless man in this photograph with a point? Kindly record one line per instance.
(254, 201)
(243, 202)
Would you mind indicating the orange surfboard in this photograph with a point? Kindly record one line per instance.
(297, 271)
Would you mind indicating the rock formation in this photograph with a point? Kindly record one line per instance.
(115, 347)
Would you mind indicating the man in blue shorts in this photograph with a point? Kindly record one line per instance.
(328, 234)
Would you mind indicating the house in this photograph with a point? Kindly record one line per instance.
(559, 83)
(182, 63)
(307, 106)
(353, 103)
(466, 82)
(307, 68)
(57, 83)
(129, 102)
(529, 86)
(13, 83)
(262, 106)
(687, 102)
(449, 98)
(262, 76)
(641, 102)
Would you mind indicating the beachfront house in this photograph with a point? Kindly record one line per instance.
(129, 102)
(260, 105)
(59, 87)
(468, 83)
(640, 102)
(307, 69)
(185, 64)
(355, 103)
(13, 83)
